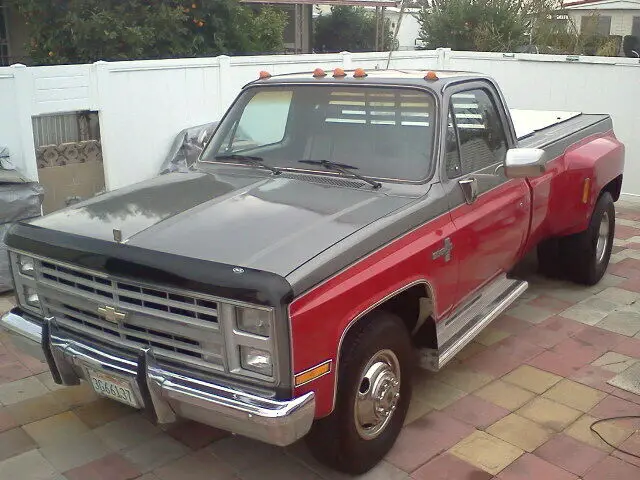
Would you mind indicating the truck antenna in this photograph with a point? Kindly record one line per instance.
(395, 34)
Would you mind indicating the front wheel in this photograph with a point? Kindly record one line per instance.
(374, 390)
(587, 253)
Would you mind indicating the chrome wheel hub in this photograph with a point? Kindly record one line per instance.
(378, 394)
(603, 238)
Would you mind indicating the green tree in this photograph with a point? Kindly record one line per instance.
(350, 29)
(481, 25)
(80, 31)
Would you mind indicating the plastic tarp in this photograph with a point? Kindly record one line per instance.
(19, 199)
(186, 148)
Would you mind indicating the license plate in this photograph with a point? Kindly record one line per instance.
(113, 387)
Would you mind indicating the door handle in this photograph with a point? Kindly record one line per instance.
(469, 189)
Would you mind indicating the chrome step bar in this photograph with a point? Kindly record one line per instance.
(494, 299)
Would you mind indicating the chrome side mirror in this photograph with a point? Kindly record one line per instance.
(524, 162)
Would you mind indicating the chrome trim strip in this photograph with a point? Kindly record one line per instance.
(173, 395)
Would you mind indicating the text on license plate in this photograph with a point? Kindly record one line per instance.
(113, 388)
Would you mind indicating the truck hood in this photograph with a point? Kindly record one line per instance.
(272, 224)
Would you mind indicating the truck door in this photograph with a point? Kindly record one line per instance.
(490, 212)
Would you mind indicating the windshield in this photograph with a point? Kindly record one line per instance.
(384, 133)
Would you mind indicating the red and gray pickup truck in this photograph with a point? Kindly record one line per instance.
(338, 229)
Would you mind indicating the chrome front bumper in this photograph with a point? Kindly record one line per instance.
(165, 395)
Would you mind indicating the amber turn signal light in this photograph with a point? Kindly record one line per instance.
(319, 73)
(313, 373)
(263, 75)
(359, 73)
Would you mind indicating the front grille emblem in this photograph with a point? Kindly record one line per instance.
(112, 315)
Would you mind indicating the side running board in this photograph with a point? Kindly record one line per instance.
(472, 319)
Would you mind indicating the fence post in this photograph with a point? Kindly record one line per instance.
(224, 84)
(347, 60)
(444, 56)
(24, 100)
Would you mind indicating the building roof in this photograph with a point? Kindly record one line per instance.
(602, 5)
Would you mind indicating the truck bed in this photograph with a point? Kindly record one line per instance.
(541, 128)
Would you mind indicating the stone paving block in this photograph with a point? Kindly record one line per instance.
(505, 395)
(530, 313)
(570, 454)
(464, 378)
(425, 438)
(575, 395)
(76, 395)
(578, 351)
(510, 324)
(595, 377)
(618, 295)
(493, 363)
(449, 467)
(614, 407)
(631, 445)
(470, 350)
(476, 412)
(35, 409)
(629, 381)
(417, 408)
(552, 304)
(74, 451)
(614, 362)
(103, 410)
(549, 414)
(200, 465)
(613, 468)
(28, 466)
(155, 452)
(110, 467)
(280, 468)
(530, 467)
(556, 363)
(615, 433)
(486, 452)
(630, 347)
(20, 390)
(436, 394)
(570, 294)
(234, 451)
(7, 422)
(57, 429)
(624, 322)
(532, 379)
(489, 336)
(14, 442)
(521, 432)
(584, 314)
(127, 432)
(47, 381)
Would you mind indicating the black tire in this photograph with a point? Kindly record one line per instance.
(580, 254)
(335, 440)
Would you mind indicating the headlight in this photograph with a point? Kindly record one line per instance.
(31, 297)
(254, 321)
(256, 360)
(26, 265)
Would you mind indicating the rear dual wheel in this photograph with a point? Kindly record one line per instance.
(582, 257)
(374, 390)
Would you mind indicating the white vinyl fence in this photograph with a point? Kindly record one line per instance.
(142, 105)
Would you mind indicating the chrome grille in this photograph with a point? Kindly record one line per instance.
(180, 326)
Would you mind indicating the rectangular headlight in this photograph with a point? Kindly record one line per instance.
(254, 321)
(256, 360)
(26, 266)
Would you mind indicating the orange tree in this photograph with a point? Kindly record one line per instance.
(80, 31)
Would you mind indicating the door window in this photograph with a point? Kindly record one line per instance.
(479, 130)
(452, 154)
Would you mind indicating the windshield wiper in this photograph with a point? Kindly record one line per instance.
(342, 168)
(248, 159)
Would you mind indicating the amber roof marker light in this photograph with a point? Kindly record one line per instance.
(431, 76)
(319, 73)
(339, 73)
(264, 75)
(359, 73)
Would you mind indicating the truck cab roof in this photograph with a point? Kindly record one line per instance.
(395, 77)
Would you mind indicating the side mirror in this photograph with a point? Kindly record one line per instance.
(524, 162)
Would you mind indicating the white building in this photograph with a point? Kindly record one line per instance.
(611, 17)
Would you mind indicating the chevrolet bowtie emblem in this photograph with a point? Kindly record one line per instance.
(112, 315)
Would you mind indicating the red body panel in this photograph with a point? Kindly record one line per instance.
(489, 236)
